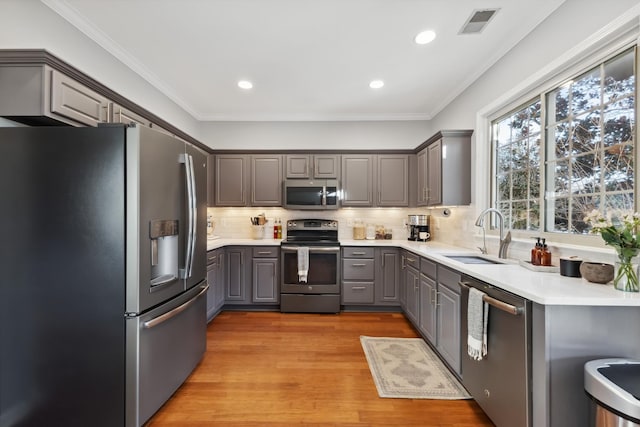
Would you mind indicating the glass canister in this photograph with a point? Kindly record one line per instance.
(371, 232)
(358, 230)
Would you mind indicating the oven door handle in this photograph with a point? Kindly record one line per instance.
(313, 248)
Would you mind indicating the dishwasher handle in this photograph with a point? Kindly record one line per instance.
(500, 305)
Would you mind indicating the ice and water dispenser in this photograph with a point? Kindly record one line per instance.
(164, 251)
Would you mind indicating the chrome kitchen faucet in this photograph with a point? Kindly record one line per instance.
(504, 240)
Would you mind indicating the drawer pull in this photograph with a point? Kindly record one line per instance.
(358, 253)
(411, 259)
(358, 288)
(358, 265)
(264, 253)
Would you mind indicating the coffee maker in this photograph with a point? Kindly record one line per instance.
(418, 226)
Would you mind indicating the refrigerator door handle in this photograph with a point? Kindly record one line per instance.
(173, 313)
(194, 214)
(190, 245)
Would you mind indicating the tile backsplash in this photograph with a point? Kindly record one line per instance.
(456, 229)
(235, 223)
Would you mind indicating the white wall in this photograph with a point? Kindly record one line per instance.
(315, 135)
(29, 24)
(569, 29)
(573, 22)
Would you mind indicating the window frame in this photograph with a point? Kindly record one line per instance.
(538, 94)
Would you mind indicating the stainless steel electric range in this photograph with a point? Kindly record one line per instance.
(320, 292)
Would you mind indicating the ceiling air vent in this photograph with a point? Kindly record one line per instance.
(478, 20)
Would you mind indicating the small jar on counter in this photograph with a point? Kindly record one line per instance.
(371, 232)
(358, 230)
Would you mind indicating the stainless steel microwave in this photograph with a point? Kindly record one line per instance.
(311, 194)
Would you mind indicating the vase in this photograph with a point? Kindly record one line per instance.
(626, 274)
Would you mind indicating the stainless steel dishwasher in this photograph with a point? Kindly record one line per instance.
(500, 382)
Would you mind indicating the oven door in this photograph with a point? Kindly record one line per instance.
(323, 276)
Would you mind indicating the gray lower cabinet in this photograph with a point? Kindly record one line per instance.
(439, 307)
(411, 281)
(265, 275)
(231, 180)
(448, 325)
(358, 275)
(238, 275)
(387, 276)
(427, 324)
(215, 279)
(312, 166)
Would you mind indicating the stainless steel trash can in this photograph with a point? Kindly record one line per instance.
(614, 388)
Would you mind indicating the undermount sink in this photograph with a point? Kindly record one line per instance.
(472, 259)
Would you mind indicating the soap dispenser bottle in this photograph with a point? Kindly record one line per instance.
(545, 255)
(535, 252)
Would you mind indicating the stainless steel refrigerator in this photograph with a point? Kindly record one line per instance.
(103, 253)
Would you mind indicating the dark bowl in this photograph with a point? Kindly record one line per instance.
(597, 272)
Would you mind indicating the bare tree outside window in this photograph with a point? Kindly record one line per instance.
(588, 151)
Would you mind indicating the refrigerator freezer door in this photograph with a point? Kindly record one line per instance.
(164, 345)
(156, 222)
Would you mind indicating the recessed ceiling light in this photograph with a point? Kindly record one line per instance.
(376, 84)
(245, 84)
(425, 37)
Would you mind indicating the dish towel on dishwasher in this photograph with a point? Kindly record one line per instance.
(477, 318)
(303, 264)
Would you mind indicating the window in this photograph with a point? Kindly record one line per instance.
(517, 153)
(587, 151)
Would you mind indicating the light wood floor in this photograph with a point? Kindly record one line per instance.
(273, 369)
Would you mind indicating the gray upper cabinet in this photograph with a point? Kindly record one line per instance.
(422, 178)
(434, 174)
(231, 180)
(77, 102)
(211, 180)
(119, 114)
(444, 169)
(392, 180)
(312, 166)
(266, 180)
(357, 180)
(43, 93)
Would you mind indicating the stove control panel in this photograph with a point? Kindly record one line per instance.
(312, 224)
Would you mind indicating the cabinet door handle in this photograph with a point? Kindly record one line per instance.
(403, 262)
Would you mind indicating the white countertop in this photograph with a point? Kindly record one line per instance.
(540, 287)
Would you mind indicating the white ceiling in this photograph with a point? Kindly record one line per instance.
(308, 59)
